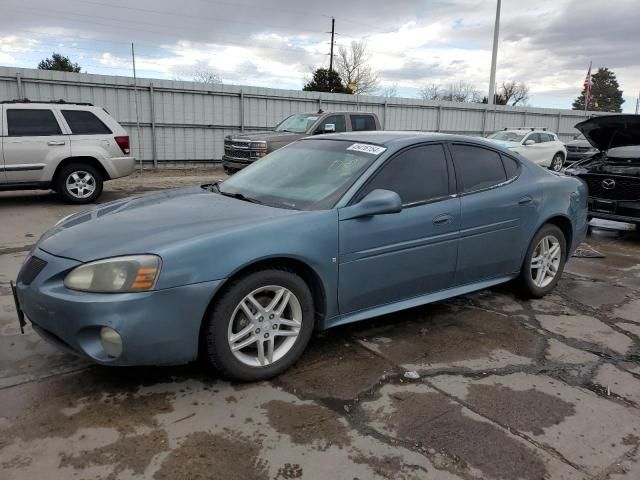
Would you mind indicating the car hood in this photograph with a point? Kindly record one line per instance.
(267, 136)
(152, 223)
(578, 143)
(611, 131)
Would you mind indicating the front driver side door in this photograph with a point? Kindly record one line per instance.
(391, 257)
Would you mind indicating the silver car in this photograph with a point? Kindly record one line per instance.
(71, 148)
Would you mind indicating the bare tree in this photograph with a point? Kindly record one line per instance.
(198, 73)
(431, 92)
(390, 91)
(512, 93)
(202, 75)
(453, 92)
(352, 66)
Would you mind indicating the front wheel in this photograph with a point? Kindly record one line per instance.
(260, 325)
(544, 262)
(557, 162)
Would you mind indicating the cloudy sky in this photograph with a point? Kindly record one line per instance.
(547, 44)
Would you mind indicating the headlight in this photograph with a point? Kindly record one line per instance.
(134, 273)
(258, 145)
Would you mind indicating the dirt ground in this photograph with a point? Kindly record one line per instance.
(507, 388)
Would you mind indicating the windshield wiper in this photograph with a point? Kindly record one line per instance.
(240, 196)
(212, 187)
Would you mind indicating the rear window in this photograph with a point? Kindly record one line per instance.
(32, 123)
(82, 122)
(478, 167)
(361, 123)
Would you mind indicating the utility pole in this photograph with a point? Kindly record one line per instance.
(135, 97)
(333, 32)
(638, 104)
(494, 56)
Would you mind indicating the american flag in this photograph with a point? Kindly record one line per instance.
(588, 96)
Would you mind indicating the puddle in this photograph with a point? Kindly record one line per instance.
(307, 424)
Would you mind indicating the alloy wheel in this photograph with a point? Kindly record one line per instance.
(80, 184)
(264, 326)
(556, 163)
(545, 261)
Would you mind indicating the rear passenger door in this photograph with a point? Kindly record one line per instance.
(89, 134)
(494, 207)
(34, 143)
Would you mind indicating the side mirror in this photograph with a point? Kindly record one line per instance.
(329, 128)
(377, 202)
(530, 142)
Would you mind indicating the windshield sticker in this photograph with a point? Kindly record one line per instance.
(367, 148)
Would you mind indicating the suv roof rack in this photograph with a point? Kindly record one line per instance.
(58, 102)
(544, 129)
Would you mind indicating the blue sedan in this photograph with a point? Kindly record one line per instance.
(326, 231)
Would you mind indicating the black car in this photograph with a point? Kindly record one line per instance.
(612, 174)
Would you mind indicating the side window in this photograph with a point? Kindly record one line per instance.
(338, 120)
(510, 167)
(82, 122)
(532, 136)
(362, 122)
(547, 137)
(417, 174)
(477, 167)
(32, 123)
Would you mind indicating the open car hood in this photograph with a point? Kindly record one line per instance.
(611, 131)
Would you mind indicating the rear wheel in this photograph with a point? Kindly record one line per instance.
(557, 162)
(79, 183)
(544, 262)
(260, 326)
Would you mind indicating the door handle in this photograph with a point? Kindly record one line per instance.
(56, 142)
(442, 219)
(525, 200)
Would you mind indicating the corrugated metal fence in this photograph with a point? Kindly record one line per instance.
(187, 121)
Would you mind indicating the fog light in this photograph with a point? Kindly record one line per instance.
(111, 342)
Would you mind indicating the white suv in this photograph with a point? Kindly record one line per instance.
(537, 144)
(71, 148)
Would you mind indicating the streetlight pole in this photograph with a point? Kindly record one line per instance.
(494, 55)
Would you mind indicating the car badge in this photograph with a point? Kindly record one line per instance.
(608, 184)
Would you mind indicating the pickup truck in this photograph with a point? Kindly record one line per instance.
(242, 149)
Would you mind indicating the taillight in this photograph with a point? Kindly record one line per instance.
(123, 143)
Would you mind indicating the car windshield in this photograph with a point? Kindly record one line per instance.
(305, 175)
(298, 123)
(507, 136)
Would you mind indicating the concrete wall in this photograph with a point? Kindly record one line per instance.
(187, 121)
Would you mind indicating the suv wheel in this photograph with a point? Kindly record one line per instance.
(260, 326)
(544, 262)
(557, 162)
(79, 183)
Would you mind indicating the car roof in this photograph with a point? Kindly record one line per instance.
(400, 138)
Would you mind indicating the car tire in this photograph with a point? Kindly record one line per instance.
(537, 282)
(79, 183)
(227, 319)
(557, 162)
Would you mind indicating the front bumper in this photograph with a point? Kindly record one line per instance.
(619, 211)
(161, 327)
(236, 163)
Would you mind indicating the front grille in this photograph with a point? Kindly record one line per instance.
(236, 153)
(574, 149)
(624, 189)
(31, 269)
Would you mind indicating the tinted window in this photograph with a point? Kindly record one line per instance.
(510, 166)
(337, 120)
(84, 123)
(477, 167)
(416, 175)
(362, 122)
(32, 123)
(547, 137)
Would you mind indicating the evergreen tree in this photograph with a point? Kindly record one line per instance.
(605, 91)
(59, 62)
(325, 80)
